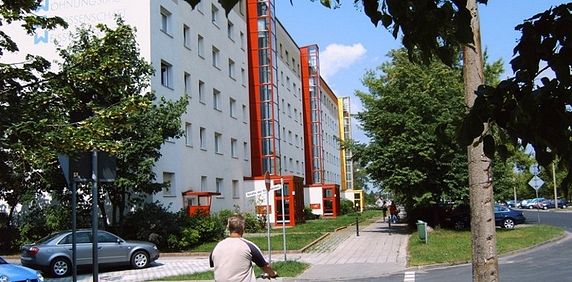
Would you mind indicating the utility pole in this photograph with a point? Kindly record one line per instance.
(484, 262)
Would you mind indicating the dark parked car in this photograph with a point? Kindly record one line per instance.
(506, 217)
(13, 273)
(460, 217)
(549, 204)
(54, 253)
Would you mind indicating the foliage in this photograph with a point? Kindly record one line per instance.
(22, 105)
(346, 206)
(528, 112)
(410, 114)
(91, 102)
(152, 222)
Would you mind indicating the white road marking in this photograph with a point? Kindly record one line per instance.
(409, 276)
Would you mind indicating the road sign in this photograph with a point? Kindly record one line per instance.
(258, 192)
(534, 169)
(536, 182)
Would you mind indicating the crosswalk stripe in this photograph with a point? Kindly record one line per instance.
(409, 276)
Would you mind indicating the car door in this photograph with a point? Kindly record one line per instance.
(500, 213)
(110, 248)
(83, 247)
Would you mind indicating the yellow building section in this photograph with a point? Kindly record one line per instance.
(357, 197)
(344, 115)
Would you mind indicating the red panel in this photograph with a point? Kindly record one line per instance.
(253, 87)
(307, 114)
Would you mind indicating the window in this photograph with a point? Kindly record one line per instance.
(204, 186)
(288, 82)
(216, 99)
(201, 92)
(245, 149)
(218, 143)
(242, 41)
(234, 148)
(289, 110)
(166, 74)
(169, 184)
(231, 69)
(219, 187)
(201, 46)
(186, 36)
(232, 106)
(188, 134)
(188, 83)
(230, 30)
(214, 14)
(235, 190)
(203, 138)
(244, 114)
(215, 57)
(287, 56)
(165, 21)
(243, 76)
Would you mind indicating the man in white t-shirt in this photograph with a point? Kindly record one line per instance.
(232, 257)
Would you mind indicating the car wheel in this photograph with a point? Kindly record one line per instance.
(564, 206)
(508, 223)
(545, 208)
(529, 207)
(140, 259)
(60, 267)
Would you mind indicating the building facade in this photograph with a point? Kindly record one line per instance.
(257, 104)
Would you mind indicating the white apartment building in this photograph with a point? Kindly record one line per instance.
(247, 115)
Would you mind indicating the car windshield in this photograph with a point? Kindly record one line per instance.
(2, 261)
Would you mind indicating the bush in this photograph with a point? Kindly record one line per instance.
(152, 222)
(253, 224)
(309, 215)
(346, 206)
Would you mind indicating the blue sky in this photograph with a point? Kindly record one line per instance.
(350, 44)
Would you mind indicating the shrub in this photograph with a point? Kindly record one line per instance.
(253, 224)
(152, 222)
(309, 215)
(346, 206)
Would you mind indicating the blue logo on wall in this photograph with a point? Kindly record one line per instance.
(42, 36)
(45, 6)
(39, 38)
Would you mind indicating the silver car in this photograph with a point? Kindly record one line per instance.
(54, 253)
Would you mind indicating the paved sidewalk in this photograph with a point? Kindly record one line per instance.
(342, 255)
(377, 251)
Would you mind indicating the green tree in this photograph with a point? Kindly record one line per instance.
(107, 107)
(23, 101)
(406, 104)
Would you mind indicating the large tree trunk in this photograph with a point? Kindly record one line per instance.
(485, 263)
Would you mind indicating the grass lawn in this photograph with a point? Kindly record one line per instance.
(449, 246)
(300, 235)
(284, 269)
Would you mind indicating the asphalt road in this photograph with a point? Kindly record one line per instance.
(546, 263)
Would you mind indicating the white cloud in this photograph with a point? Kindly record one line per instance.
(336, 57)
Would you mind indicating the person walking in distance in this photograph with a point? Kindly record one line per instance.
(384, 210)
(232, 257)
(393, 212)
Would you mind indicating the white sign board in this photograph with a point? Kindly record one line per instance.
(536, 182)
(258, 192)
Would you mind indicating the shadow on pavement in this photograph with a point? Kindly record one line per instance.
(383, 227)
